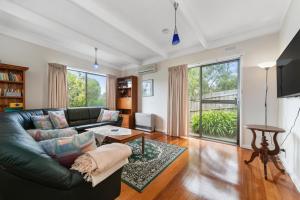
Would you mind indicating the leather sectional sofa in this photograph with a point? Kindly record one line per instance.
(27, 172)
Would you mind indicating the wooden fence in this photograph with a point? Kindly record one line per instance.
(194, 106)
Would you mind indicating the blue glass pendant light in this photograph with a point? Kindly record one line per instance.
(176, 39)
(96, 65)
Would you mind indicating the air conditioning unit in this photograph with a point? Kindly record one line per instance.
(149, 69)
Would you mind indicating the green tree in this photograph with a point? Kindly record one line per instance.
(194, 83)
(78, 96)
(94, 96)
(76, 90)
(218, 78)
(215, 78)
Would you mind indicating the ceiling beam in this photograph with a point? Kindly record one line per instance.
(33, 18)
(57, 46)
(93, 7)
(191, 20)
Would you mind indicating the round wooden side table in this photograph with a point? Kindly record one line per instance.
(264, 152)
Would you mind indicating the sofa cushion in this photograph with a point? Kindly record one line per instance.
(42, 122)
(26, 121)
(87, 126)
(65, 150)
(40, 135)
(58, 119)
(94, 112)
(78, 116)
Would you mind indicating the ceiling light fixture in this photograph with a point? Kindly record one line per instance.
(176, 39)
(96, 65)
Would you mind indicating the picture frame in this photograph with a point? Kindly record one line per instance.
(148, 88)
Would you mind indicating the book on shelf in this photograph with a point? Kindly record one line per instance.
(5, 92)
(10, 77)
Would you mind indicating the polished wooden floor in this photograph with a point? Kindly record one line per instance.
(209, 170)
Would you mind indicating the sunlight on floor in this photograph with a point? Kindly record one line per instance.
(218, 172)
(208, 189)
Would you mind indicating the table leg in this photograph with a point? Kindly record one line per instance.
(143, 144)
(265, 171)
(273, 158)
(255, 149)
(253, 156)
(264, 153)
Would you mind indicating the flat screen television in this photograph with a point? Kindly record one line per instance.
(288, 70)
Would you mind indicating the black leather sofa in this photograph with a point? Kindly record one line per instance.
(27, 172)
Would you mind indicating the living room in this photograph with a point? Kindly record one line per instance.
(187, 85)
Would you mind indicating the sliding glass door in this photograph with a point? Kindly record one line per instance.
(214, 101)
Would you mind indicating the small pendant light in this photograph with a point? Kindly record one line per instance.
(176, 39)
(96, 65)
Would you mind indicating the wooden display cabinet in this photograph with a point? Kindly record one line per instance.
(127, 88)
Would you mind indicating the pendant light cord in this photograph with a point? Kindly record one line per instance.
(175, 7)
(96, 61)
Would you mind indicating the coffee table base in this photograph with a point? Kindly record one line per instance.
(125, 139)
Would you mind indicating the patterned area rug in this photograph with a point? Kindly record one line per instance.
(142, 169)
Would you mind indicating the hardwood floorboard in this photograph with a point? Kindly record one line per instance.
(209, 170)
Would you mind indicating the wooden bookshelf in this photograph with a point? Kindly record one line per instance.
(13, 81)
(127, 88)
(12, 97)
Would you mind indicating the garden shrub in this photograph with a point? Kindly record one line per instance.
(216, 123)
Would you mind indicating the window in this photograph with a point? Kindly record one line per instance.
(86, 89)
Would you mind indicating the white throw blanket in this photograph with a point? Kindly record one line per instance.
(100, 160)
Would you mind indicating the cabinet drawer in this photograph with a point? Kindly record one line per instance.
(124, 103)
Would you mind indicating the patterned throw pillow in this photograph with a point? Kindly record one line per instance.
(58, 119)
(40, 135)
(108, 116)
(42, 122)
(65, 150)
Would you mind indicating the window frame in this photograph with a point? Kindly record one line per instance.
(85, 76)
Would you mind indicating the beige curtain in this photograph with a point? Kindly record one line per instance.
(178, 101)
(57, 86)
(111, 82)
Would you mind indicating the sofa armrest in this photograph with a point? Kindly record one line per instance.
(22, 156)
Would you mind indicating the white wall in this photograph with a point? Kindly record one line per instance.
(288, 106)
(253, 51)
(18, 52)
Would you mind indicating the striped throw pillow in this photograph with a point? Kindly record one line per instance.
(65, 150)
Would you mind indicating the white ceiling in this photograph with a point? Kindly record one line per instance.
(128, 33)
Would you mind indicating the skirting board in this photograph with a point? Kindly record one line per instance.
(291, 173)
(161, 131)
(246, 146)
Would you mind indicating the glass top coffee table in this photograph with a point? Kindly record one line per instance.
(112, 134)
